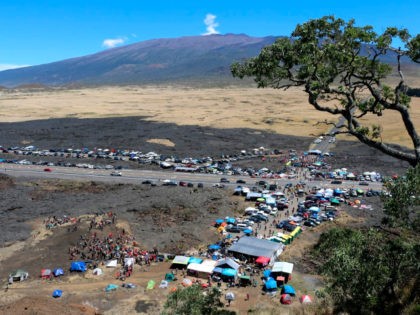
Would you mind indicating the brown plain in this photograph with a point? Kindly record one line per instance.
(283, 112)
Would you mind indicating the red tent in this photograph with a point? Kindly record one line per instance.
(305, 299)
(285, 299)
(46, 274)
(262, 260)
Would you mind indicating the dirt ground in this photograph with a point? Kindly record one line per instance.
(174, 219)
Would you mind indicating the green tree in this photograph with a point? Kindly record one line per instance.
(194, 301)
(339, 66)
(369, 271)
(402, 204)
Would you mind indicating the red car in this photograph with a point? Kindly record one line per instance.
(47, 169)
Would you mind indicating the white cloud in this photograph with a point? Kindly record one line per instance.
(113, 42)
(6, 66)
(211, 24)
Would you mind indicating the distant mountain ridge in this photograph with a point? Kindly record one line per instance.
(152, 61)
(192, 59)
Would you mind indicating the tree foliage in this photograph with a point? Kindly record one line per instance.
(368, 271)
(402, 204)
(194, 301)
(339, 66)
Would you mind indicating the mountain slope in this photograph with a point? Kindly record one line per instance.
(152, 61)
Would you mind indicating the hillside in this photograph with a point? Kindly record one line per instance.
(160, 60)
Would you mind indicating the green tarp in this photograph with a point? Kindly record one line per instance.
(151, 285)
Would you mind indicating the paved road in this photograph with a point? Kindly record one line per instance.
(137, 176)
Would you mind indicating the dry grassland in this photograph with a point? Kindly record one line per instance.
(283, 112)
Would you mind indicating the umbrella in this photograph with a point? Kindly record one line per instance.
(230, 296)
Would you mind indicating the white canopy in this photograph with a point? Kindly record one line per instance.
(200, 268)
(97, 271)
(111, 263)
(181, 260)
(282, 266)
(129, 261)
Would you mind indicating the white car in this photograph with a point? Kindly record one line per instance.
(115, 173)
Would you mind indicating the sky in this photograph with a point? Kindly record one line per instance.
(34, 32)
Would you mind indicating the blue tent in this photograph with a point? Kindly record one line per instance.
(228, 272)
(248, 231)
(58, 272)
(195, 260)
(267, 273)
(230, 220)
(220, 221)
(111, 287)
(78, 266)
(288, 289)
(57, 293)
(271, 284)
(214, 247)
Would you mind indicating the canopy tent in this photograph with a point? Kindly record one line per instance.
(58, 272)
(195, 260)
(217, 270)
(230, 220)
(169, 277)
(57, 293)
(262, 260)
(286, 299)
(270, 284)
(97, 271)
(201, 268)
(288, 289)
(79, 266)
(227, 263)
(230, 296)
(111, 263)
(305, 299)
(283, 267)
(181, 261)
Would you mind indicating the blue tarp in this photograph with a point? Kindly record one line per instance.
(217, 270)
(57, 293)
(58, 272)
(248, 231)
(228, 272)
(195, 260)
(267, 273)
(220, 221)
(288, 289)
(271, 284)
(214, 247)
(78, 266)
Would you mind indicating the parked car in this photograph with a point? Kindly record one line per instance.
(224, 180)
(363, 183)
(240, 181)
(168, 182)
(336, 182)
(116, 173)
(47, 169)
(233, 229)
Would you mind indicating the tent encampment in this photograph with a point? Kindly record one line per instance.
(270, 284)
